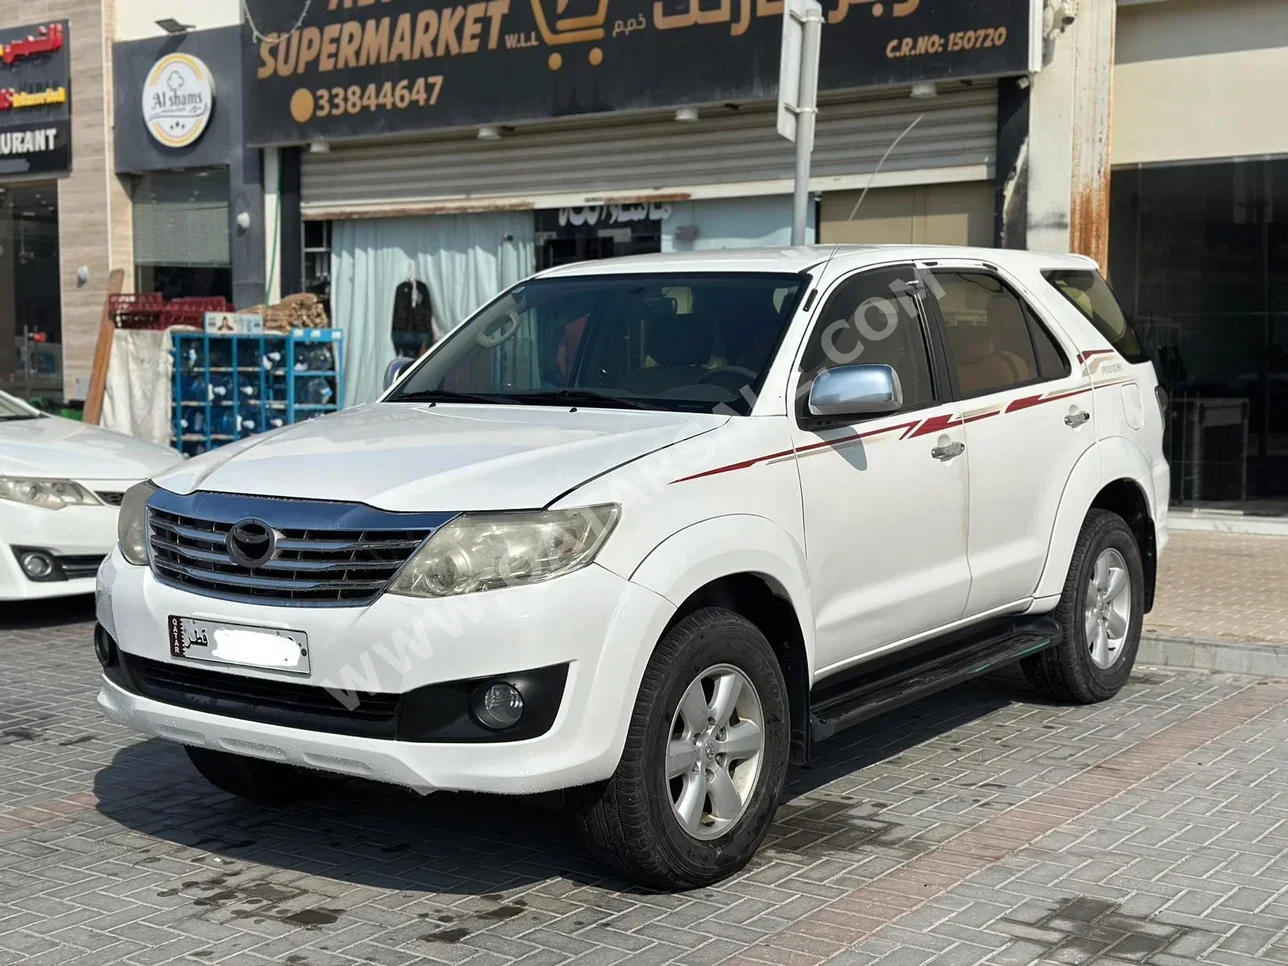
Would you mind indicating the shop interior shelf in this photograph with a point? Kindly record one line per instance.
(228, 387)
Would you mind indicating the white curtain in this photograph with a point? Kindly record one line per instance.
(465, 260)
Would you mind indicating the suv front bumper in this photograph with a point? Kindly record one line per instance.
(601, 626)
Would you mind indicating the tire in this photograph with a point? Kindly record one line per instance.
(1084, 668)
(259, 781)
(632, 823)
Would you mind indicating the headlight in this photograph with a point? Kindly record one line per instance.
(483, 551)
(132, 524)
(50, 494)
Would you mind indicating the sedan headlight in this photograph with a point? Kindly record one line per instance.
(484, 551)
(132, 524)
(49, 494)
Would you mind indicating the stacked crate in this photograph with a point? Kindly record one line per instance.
(228, 387)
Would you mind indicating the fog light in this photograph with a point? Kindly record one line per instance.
(37, 566)
(497, 706)
(104, 647)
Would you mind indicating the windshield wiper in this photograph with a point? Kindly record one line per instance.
(19, 418)
(448, 395)
(579, 397)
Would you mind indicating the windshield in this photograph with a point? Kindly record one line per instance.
(11, 408)
(678, 342)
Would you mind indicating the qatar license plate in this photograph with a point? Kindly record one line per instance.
(239, 645)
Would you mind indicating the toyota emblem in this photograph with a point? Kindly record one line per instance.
(252, 543)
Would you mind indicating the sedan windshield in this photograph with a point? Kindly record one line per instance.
(12, 409)
(691, 342)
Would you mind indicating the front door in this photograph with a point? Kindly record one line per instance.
(1028, 415)
(886, 498)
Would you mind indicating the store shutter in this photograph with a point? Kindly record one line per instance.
(562, 163)
(181, 219)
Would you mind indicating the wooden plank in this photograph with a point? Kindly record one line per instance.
(103, 350)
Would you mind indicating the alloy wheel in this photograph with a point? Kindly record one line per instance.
(1108, 608)
(714, 751)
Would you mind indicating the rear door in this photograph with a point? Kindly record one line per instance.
(1027, 410)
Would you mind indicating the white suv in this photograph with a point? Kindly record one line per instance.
(646, 530)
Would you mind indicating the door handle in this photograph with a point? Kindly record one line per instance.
(947, 451)
(1076, 418)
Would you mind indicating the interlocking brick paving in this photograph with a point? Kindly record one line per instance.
(980, 826)
(1223, 586)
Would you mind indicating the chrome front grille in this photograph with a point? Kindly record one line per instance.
(327, 554)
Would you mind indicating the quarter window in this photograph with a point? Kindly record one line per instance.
(1090, 294)
(873, 319)
(993, 342)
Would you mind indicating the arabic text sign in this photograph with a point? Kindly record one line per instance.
(35, 99)
(357, 69)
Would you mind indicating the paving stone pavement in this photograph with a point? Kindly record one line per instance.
(1222, 586)
(980, 826)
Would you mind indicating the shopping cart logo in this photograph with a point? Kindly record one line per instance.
(585, 26)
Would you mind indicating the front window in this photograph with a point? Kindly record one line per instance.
(689, 343)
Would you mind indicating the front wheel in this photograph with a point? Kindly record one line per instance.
(705, 759)
(1101, 613)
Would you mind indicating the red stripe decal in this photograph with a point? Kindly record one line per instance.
(1030, 401)
(823, 444)
(935, 424)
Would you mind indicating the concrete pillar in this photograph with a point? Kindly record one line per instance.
(1062, 169)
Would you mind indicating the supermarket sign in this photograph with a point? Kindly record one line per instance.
(35, 99)
(336, 69)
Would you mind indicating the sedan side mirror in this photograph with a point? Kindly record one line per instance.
(856, 391)
(395, 370)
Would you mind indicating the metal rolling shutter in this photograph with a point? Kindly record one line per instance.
(563, 163)
(181, 218)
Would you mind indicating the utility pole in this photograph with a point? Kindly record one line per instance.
(798, 97)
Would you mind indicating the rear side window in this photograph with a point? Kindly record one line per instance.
(994, 341)
(1091, 295)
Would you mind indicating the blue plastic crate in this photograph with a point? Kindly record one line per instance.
(228, 387)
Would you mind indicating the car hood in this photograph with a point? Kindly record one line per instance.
(66, 449)
(405, 457)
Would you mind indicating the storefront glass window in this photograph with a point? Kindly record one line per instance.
(30, 298)
(317, 260)
(1199, 258)
(598, 231)
(182, 235)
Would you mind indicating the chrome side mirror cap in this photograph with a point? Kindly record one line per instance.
(395, 370)
(856, 391)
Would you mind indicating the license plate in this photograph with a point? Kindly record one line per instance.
(239, 645)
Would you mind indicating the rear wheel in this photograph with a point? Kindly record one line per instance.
(706, 754)
(262, 782)
(1101, 613)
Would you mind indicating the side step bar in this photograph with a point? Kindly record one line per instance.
(872, 690)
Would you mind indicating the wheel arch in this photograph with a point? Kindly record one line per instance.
(1110, 476)
(749, 565)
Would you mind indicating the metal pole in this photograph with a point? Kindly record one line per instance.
(806, 113)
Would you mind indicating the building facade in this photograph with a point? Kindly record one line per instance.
(196, 189)
(63, 217)
(1199, 233)
(438, 151)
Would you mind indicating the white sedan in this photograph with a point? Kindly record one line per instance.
(60, 485)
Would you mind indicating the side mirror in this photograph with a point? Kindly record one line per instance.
(395, 370)
(856, 391)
